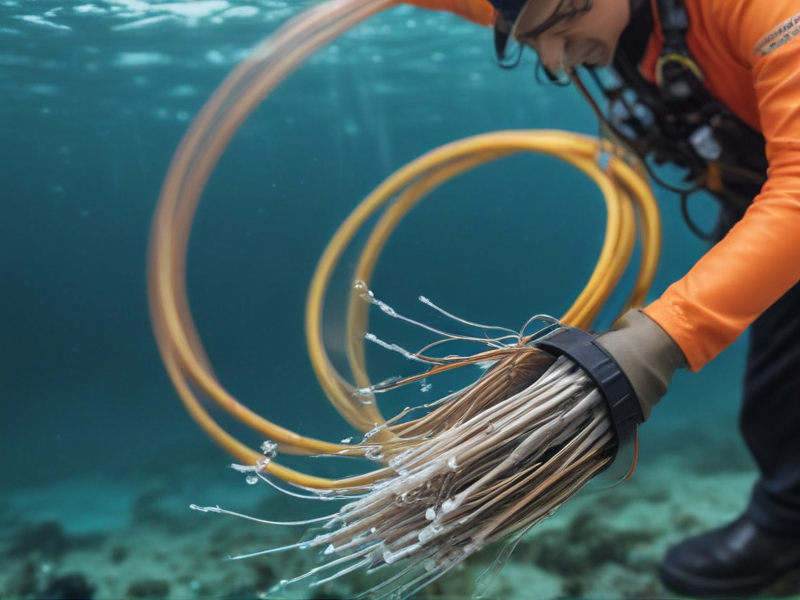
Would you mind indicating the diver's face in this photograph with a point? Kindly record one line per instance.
(568, 33)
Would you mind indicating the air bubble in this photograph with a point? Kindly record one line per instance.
(452, 463)
(373, 453)
(330, 549)
(347, 440)
(251, 479)
(448, 505)
(269, 449)
(360, 286)
(430, 514)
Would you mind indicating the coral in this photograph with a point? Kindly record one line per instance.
(265, 576)
(45, 540)
(118, 554)
(585, 545)
(36, 580)
(688, 524)
(148, 588)
(72, 586)
(24, 583)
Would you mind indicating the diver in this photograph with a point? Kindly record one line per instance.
(712, 87)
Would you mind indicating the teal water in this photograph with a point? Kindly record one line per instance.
(94, 99)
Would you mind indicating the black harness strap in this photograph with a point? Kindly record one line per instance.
(677, 120)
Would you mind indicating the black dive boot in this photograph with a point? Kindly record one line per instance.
(737, 560)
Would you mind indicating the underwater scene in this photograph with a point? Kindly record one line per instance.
(111, 488)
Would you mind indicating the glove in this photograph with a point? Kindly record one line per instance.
(477, 11)
(645, 353)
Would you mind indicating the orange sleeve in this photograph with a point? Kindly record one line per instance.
(759, 260)
(477, 11)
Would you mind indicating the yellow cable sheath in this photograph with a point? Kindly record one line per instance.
(579, 150)
(609, 269)
(188, 174)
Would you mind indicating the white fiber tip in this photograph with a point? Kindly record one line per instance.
(425, 535)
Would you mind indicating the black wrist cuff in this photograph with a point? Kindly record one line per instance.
(581, 347)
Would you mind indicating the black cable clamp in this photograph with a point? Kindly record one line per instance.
(582, 348)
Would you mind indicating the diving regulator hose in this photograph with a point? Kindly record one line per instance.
(624, 187)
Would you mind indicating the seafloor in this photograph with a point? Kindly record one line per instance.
(65, 542)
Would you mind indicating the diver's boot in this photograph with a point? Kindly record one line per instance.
(736, 560)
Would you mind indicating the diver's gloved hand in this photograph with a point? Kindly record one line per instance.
(645, 353)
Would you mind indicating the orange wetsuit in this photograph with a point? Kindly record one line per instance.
(749, 52)
(477, 11)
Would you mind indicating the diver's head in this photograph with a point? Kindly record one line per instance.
(565, 33)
